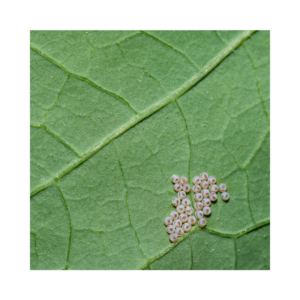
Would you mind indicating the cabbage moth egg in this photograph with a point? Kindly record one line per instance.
(170, 229)
(186, 227)
(175, 178)
(225, 196)
(222, 187)
(173, 237)
(202, 222)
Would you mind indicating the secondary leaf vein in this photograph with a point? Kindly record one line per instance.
(174, 49)
(70, 226)
(257, 83)
(82, 78)
(172, 246)
(126, 187)
(209, 67)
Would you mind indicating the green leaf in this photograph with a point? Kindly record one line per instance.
(114, 114)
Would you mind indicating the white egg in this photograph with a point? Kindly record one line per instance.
(206, 210)
(196, 180)
(181, 195)
(186, 202)
(173, 237)
(186, 227)
(204, 176)
(196, 188)
(213, 197)
(183, 180)
(174, 215)
(175, 178)
(177, 187)
(177, 223)
(212, 180)
(179, 231)
(198, 197)
(202, 222)
(198, 205)
(225, 196)
(222, 187)
(183, 218)
(189, 210)
(186, 188)
(205, 193)
(204, 184)
(168, 221)
(213, 188)
(180, 209)
(192, 220)
(170, 229)
(199, 214)
(176, 201)
(206, 202)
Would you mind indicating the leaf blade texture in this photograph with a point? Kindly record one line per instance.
(114, 114)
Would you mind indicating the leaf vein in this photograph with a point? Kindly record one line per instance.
(70, 226)
(58, 96)
(258, 148)
(119, 41)
(235, 250)
(125, 183)
(82, 78)
(208, 68)
(243, 232)
(56, 137)
(174, 49)
(35, 247)
(248, 196)
(257, 83)
(192, 257)
(190, 147)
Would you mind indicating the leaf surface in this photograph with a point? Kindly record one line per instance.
(115, 114)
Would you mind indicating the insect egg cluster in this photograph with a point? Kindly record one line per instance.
(205, 192)
(207, 195)
(181, 219)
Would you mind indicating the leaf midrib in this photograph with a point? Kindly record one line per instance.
(173, 96)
